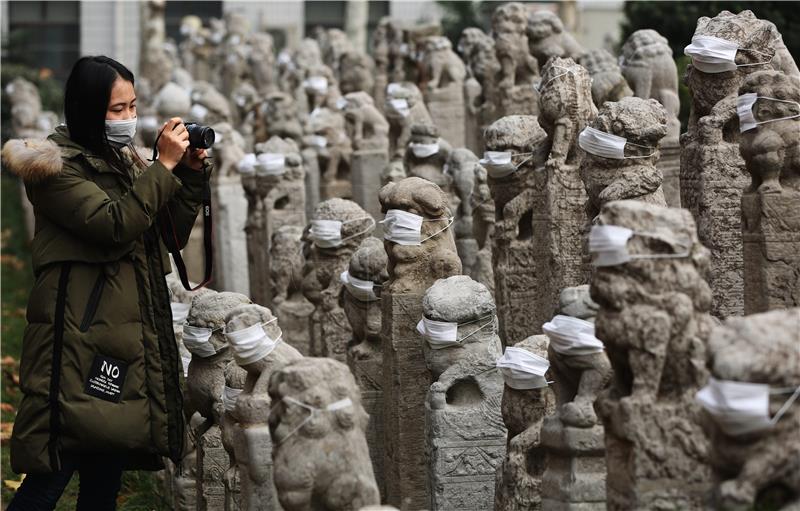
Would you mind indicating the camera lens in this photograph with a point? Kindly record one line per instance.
(200, 137)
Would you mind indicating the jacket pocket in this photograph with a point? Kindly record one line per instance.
(94, 301)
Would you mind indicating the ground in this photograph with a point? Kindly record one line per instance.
(140, 490)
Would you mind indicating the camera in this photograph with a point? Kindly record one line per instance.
(200, 137)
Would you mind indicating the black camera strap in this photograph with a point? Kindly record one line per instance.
(170, 235)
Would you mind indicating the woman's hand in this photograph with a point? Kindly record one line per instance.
(173, 142)
(193, 158)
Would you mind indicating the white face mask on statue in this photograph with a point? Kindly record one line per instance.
(229, 397)
(318, 84)
(198, 340)
(120, 133)
(443, 334)
(606, 145)
(405, 228)
(572, 336)
(523, 370)
(400, 106)
(747, 119)
(739, 408)
(247, 165)
(424, 150)
(180, 311)
(328, 233)
(270, 164)
(715, 55)
(251, 344)
(498, 164)
(198, 112)
(609, 246)
(362, 290)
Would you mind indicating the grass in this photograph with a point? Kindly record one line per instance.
(140, 490)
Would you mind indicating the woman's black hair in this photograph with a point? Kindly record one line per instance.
(86, 98)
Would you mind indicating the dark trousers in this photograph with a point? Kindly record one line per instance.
(100, 480)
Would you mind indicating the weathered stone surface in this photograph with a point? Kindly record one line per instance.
(519, 479)
(286, 274)
(229, 431)
(357, 73)
(444, 73)
(212, 462)
(760, 468)
(364, 352)
(480, 87)
(248, 416)
(330, 331)
(460, 168)
(482, 228)
(516, 94)
(320, 456)
(654, 323)
(465, 436)
(327, 137)
(712, 170)
(547, 38)
(643, 123)
(608, 84)
(404, 108)
(412, 269)
(770, 216)
(427, 165)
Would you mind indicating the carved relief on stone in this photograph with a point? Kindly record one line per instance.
(518, 68)
(483, 218)
(278, 117)
(653, 320)
(480, 87)
(642, 123)
(326, 135)
(335, 232)
(360, 299)
(460, 168)
(357, 73)
(404, 108)
(712, 171)
(366, 126)
(317, 424)
(751, 411)
(548, 38)
(770, 217)
(608, 84)
(443, 72)
(426, 155)
(286, 278)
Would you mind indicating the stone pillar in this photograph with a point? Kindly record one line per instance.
(465, 436)
(230, 242)
(670, 166)
(212, 462)
(366, 169)
(655, 337)
(446, 106)
(406, 379)
(286, 268)
(519, 478)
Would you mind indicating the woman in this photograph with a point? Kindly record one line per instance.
(99, 366)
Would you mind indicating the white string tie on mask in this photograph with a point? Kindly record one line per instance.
(523, 370)
(747, 119)
(197, 340)
(739, 407)
(405, 228)
(572, 336)
(251, 344)
(247, 165)
(328, 233)
(498, 164)
(229, 397)
(716, 55)
(270, 164)
(606, 145)
(442, 334)
(609, 244)
(566, 72)
(180, 311)
(424, 150)
(362, 290)
(313, 411)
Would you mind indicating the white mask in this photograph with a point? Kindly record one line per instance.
(739, 407)
(198, 340)
(606, 145)
(180, 311)
(318, 141)
(328, 233)
(247, 165)
(744, 108)
(442, 334)
(498, 164)
(362, 290)
(572, 336)
(284, 57)
(229, 397)
(405, 228)
(523, 370)
(392, 88)
(120, 133)
(424, 150)
(341, 103)
(198, 112)
(318, 84)
(251, 344)
(400, 106)
(270, 164)
(715, 55)
(609, 244)
(313, 411)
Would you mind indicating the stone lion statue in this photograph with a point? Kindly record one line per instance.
(547, 38)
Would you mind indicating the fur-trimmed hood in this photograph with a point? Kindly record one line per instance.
(33, 160)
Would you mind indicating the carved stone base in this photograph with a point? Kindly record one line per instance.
(519, 100)
(575, 474)
(468, 253)
(212, 462)
(293, 317)
(670, 166)
(771, 238)
(366, 169)
(230, 244)
(446, 107)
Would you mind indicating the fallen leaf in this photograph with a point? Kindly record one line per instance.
(7, 407)
(14, 485)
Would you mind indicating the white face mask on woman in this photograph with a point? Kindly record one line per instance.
(121, 132)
